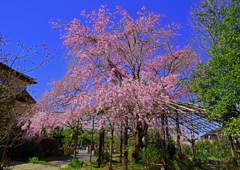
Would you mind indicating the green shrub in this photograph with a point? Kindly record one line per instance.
(133, 165)
(76, 164)
(105, 155)
(150, 155)
(33, 160)
(49, 146)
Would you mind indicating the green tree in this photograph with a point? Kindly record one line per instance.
(216, 83)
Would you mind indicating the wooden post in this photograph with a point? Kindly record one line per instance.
(103, 148)
(164, 158)
(193, 140)
(75, 142)
(233, 153)
(178, 138)
(125, 144)
(121, 142)
(92, 147)
(100, 149)
(111, 147)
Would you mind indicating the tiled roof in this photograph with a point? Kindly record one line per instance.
(18, 74)
(25, 93)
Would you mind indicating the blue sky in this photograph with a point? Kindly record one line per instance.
(28, 21)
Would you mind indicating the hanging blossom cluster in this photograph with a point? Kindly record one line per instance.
(122, 67)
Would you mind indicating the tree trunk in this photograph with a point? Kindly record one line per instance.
(75, 142)
(103, 137)
(178, 138)
(121, 142)
(164, 158)
(111, 148)
(126, 144)
(233, 152)
(92, 147)
(138, 144)
(100, 149)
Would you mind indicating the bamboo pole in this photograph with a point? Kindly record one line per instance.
(92, 147)
(121, 143)
(125, 144)
(111, 147)
(164, 158)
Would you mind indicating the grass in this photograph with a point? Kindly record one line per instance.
(35, 161)
(118, 166)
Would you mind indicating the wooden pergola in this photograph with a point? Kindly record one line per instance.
(190, 115)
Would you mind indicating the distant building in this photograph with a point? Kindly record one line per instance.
(214, 134)
(18, 83)
(209, 136)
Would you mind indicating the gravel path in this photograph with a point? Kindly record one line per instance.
(59, 163)
(18, 165)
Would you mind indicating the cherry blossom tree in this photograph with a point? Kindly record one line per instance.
(124, 70)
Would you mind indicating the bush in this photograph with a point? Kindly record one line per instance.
(150, 155)
(49, 146)
(33, 160)
(68, 151)
(105, 155)
(26, 150)
(76, 164)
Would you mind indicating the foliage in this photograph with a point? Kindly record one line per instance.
(130, 150)
(133, 165)
(230, 164)
(83, 136)
(173, 149)
(58, 135)
(206, 149)
(232, 127)
(76, 163)
(216, 81)
(35, 161)
(186, 150)
(151, 154)
(105, 154)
